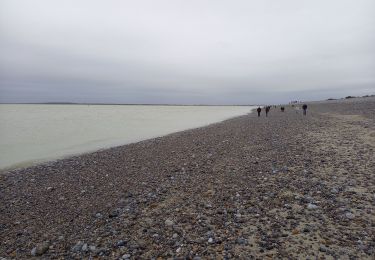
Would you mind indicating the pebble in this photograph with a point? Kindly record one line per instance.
(77, 247)
(241, 241)
(306, 229)
(84, 248)
(312, 206)
(349, 215)
(126, 256)
(286, 205)
(169, 223)
(120, 243)
(210, 240)
(114, 213)
(40, 249)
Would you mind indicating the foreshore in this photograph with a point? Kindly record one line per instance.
(285, 186)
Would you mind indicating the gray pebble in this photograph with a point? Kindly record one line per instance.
(168, 223)
(312, 206)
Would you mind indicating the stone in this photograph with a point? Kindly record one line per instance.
(295, 232)
(306, 229)
(287, 206)
(168, 223)
(84, 248)
(120, 243)
(126, 256)
(114, 213)
(40, 249)
(77, 247)
(312, 206)
(241, 241)
(349, 215)
(210, 240)
(148, 221)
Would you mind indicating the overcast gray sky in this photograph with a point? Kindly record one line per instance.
(186, 52)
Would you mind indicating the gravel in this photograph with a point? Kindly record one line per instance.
(285, 186)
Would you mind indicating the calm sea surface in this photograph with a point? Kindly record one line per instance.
(35, 133)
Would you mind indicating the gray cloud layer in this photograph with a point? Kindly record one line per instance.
(188, 52)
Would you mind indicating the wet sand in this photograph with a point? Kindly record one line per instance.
(286, 186)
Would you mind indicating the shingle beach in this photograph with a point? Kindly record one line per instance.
(285, 186)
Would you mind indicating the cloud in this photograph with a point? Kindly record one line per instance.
(185, 51)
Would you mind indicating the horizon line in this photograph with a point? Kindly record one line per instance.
(119, 104)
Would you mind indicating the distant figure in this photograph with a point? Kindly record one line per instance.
(259, 110)
(267, 110)
(282, 109)
(304, 107)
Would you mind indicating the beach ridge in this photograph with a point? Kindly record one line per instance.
(287, 186)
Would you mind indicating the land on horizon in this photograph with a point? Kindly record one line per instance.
(167, 104)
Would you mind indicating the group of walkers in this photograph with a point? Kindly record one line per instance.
(282, 108)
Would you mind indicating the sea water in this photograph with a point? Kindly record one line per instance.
(33, 133)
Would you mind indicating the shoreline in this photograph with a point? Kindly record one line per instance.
(283, 186)
(48, 162)
(79, 143)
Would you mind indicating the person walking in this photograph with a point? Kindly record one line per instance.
(304, 107)
(259, 110)
(267, 110)
(282, 109)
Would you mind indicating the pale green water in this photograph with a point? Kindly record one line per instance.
(37, 133)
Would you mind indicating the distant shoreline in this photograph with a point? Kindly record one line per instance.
(193, 105)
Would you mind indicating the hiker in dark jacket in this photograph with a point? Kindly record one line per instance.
(259, 110)
(304, 107)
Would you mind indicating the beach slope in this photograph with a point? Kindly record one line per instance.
(287, 186)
